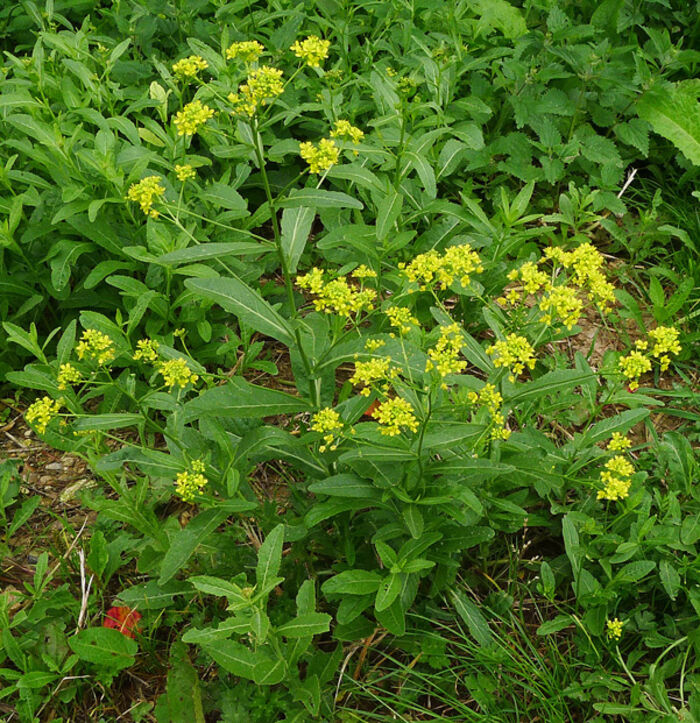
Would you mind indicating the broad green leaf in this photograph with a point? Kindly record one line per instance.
(236, 296)
(392, 618)
(619, 423)
(216, 586)
(551, 383)
(213, 251)
(296, 227)
(232, 657)
(105, 647)
(240, 399)
(472, 616)
(152, 596)
(387, 213)
(555, 625)
(670, 578)
(499, 15)
(186, 541)
(269, 671)
(673, 111)
(345, 485)
(108, 421)
(269, 557)
(306, 625)
(183, 692)
(388, 592)
(319, 198)
(226, 197)
(352, 582)
(690, 530)
(635, 571)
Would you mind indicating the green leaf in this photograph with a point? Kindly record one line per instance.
(673, 112)
(472, 616)
(270, 557)
(216, 586)
(108, 421)
(393, 618)
(619, 423)
(186, 541)
(306, 625)
(105, 647)
(236, 296)
(555, 625)
(232, 657)
(345, 485)
(635, 571)
(269, 671)
(241, 399)
(319, 198)
(352, 582)
(203, 252)
(551, 383)
(223, 196)
(183, 692)
(296, 227)
(388, 211)
(670, 578)
(690, 530)
(499, 15)
(388, 592)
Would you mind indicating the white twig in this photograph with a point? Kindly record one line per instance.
(629, 180)
(84, 589)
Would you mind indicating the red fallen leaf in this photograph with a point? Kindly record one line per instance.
(123, 619)
(370, 410)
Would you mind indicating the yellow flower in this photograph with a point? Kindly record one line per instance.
(189, 67)
(666, 342)
(67, 374)
(312, 50)
(328, 423)
(190, 483)
(336, 296)
(194, 115)
(444, 356)
(374, 344)
(42, 412)
(561, 302)
(263, 85)
(343, 129)
(321, 157)
(615, 629)
(370, 372)
(393, 415)
(94, 344)
(619, 442)
(615, 478)
(247, 50)
(146, 349)
(363, 272)
(184, 172)
(176, 372)
(144, 192)
(633, 366)
(515, 353)
(401, 318)
(456, 262)
(489, 397)
(533, 279)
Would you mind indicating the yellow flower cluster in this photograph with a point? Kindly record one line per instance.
(614, 629)
(189, 484)
(184, 172)
(189, 67)
(263, 85)
(561, 302)
(586, 262)
(146, 350)
(374, 344)
(456, 262)
(344, 129)
(312, 50)
(370, 372)
(67, 374)
(666, 342)
(532, 278)
(444, 356)
(634, 364)
(515, 353)
(618, 442)
(489, 397)
(41, 412)
(393, 415)
(247, 50)
(320, 157)
(616, 479)
(363, 272)
(94, 344)
(175, 372)
(336, 296)
(194, 115)
(401, 318)
(144, 192)
(328, 423)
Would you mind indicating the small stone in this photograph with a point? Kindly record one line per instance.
(45, 479)
(54, 466)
